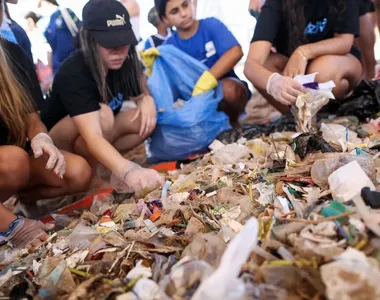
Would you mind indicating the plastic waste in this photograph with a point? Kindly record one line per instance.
(101, 203)
(146, 289)
(208, 247)
(333, 209)
(174, 201)
(364, 101)
(351, 276)
(185, 277)
(292, 278)
(76, 258)
(267, 193)
(139, 270)
(323, 168)
(230, 154)
(162, 266)
(309, 104)
(55, 272)
(226, 275)
(309, 143)
(81, 237)
(339, 135)
(348, 181)
(371, 198)
(284, 123)
(282, 232)
(189, 130)
(265, 291)
(194, 226)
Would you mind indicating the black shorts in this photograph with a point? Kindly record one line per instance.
(356, 52)
(365, 7)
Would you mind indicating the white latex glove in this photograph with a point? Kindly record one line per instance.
(284, 89)
(27, 233)
(132, 177)
(42, 143)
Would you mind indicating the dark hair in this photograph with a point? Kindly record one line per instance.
(126, 80)
(296, 23)
(153, 17)
(54, 2)
(32, 15)
(160, 5)
(6, 10)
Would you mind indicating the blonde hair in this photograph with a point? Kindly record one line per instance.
(15, 103)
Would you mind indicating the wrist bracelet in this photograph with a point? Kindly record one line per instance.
(302, 54)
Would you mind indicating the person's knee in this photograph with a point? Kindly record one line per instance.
(234, 91)
(107, 120)
(321, 65)
(14, 168)
(78, 173)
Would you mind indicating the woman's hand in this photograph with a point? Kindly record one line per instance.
(42, 143)
(132, 177)
(284, 89)
(147, 110)
(297, 63)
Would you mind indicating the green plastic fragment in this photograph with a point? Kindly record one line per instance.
(333, 209)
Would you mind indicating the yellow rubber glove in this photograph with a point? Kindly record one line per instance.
(205, 83)
(148, 57)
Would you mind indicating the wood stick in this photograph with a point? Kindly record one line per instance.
(288, 214)
(332, 218)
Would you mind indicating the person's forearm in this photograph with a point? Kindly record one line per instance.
(35, 125)
(227, 62)
(104, 152)
(340, 45)
(257, 74)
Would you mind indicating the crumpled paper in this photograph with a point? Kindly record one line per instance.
(307, 105)
(267, 193)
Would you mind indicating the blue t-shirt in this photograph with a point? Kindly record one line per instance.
(22, 38)
(59, 37)
(208, 44)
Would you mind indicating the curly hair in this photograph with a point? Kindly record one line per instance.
(295, 19)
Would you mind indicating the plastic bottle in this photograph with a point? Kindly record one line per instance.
(323, 168)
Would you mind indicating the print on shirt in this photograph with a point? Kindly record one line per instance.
(312, 29)
(210, 49)
(116, 102)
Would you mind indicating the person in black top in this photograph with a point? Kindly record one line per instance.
(83, 110)
(309, 36)
(47, 172)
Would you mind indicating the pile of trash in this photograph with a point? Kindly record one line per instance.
(283, 216)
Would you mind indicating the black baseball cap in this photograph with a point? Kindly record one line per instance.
(108, 22)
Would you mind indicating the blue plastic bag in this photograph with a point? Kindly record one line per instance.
(189, 130)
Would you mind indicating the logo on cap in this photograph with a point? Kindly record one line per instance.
(119, 21)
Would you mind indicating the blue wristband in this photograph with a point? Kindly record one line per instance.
(11, 227)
